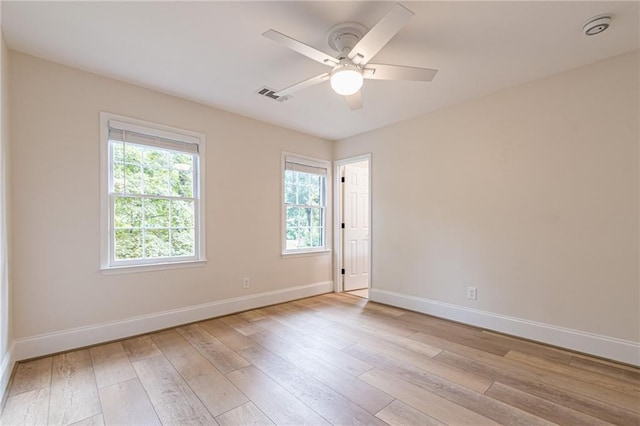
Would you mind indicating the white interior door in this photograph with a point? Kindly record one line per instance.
(355, 217)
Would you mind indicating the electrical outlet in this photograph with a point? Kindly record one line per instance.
(472, 293)
(246, 283)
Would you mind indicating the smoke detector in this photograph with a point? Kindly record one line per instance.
(596, 25)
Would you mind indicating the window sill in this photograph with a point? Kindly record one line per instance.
(305, 253)
(130, 269)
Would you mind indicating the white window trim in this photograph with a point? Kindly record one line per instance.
(316, 162)
(106, 241)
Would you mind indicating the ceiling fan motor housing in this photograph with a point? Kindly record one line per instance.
(343, 37)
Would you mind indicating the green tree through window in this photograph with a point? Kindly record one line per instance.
(153, 205)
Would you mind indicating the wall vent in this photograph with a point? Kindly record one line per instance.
(270, 93)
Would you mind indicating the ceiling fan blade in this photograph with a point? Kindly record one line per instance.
(301, 48)
(380, 34)
(398, 72)
(304, 84)
(354, 101)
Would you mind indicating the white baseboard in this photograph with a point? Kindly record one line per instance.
(6, 368)
(608, 347)
(45, 344)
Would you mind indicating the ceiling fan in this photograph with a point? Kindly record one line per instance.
(357, 47)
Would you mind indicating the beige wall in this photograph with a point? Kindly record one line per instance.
(530, 195)
(56, 204)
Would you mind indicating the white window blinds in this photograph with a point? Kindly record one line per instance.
(304, 166)
(125, 132)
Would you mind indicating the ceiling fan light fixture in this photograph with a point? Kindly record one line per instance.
(346, 79)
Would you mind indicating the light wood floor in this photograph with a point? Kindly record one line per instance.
(364, 293)
(331, 359)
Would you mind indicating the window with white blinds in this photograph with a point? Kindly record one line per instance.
(153, 195)
(304, 204)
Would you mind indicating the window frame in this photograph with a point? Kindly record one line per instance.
(108, 264)
(326, 219)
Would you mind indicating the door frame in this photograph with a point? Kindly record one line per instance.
(338, 242)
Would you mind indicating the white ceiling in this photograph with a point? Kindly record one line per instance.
(213, 52)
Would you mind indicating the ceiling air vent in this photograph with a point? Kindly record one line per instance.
(270, 93)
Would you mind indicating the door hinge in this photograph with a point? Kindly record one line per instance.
(342, 225)
(342, 271)
(342, 179)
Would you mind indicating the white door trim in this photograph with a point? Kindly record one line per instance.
(337, 231)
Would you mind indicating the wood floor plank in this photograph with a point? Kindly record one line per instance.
(111, 364)
(227, 335)
(252, 315)
(343, 315)
(422, 359)
(141, 347)
(352, 321)
(31, 375)
(443, 343)
(535, 386)
(364, 395)
(532, 372)
(308, 302)
(303, 316)
(356, 304)
(540, 407)
(173, 400)
(334, 309)
(526, 370)
(309, 324)
(218, 354)
(215, 391)
(605, 361)
(461, 395)
(246, 414)
(74, 394)
(281, 406)
(400, 414)
(433, 366)
(385, 341)
(423, 400)
(458, 333)
(325, 401)
(339, 359)
(127, 403)
(624, 386)
(385, 310)
(26, 408)
(616, 371)
(240, 324)
(367, 326)
(97, 420)
(324, 335)
(539, 350)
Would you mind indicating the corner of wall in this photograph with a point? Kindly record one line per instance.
(7, 360)
(6, 369)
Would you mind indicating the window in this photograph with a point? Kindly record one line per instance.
(305, 204)
(153, 194)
